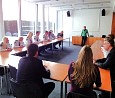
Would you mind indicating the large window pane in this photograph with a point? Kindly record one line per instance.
(10, 14)
(27, 17)
(52, 18)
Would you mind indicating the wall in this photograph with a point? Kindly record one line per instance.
(1, 22)
(92, 18)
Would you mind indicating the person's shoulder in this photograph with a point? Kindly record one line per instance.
(72, 64)
(113, 48)
(112, 51)
(37, 60)
(24, 57)
(96, 67)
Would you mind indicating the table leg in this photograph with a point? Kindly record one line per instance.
(65, 89)
(62, 44)
(61, 93)
(69, 41)
(6, 79)
(52, 48)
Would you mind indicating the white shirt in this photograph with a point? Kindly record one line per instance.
(105, 52)
(18, 43)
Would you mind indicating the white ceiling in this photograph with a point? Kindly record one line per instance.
(76, 4)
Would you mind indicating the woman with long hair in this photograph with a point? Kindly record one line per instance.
(83, 73)
(29, 39)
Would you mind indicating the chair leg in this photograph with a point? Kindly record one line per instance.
(1, 79)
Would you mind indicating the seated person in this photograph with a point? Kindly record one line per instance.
(31, 70)
(105, 52)
(108, 62)
(19, 42)
(36, 38)
(29, 39)
(60, 35)
(83, 74)
(5, 44)
(46, 36)
(52, 37)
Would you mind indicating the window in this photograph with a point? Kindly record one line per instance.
(27, 17)
(10, 14)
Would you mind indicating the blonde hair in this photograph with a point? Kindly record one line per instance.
(4, 42)
(84, 70)
(30, 34)
(4, 39)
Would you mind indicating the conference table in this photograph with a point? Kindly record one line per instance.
(59, 72)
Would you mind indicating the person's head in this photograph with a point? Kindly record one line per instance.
(5, 40)
(108, 43)
(84, 27)
(51, 31)
(32, 50)
(46, 32)
(37, 33)
(85, 56)
(30, 34)
(111, 36)
(20, 39)
(61, 32)
(84, 72)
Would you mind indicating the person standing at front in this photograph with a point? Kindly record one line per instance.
(84, 35)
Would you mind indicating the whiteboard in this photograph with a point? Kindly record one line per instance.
(86, 17)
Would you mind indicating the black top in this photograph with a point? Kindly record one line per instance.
(87, 88)
(31, 69)
(108, 62)
(60, 35)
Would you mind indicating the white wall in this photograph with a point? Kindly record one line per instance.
(92, 18)
(1, 22)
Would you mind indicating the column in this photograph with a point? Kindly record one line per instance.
(43, 20)
(56, 24)
(19, 18)
(2, 32)
(36, 21)
(48, 24)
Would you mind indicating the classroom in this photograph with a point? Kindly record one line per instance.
(58, 28)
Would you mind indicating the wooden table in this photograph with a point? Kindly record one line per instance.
(90, 40)
(96, 49)
(58, 70)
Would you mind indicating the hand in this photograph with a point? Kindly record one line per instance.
(94, 61)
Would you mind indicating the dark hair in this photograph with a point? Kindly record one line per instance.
(37, 32)
(110, 40)
(32, 49)
(111, 35)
